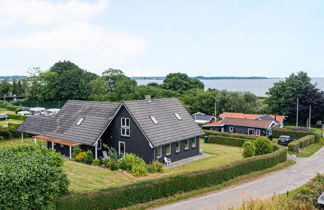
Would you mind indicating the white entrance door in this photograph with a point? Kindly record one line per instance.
(121, 149)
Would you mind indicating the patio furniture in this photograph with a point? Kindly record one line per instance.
(167, 161)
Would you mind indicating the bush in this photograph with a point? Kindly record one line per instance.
(263, 146)
(131, 161)
(9, 132)
(301, 143)
(76, 151)
(17, 116)
(96, 162)
(14, 125)
(232, 141)
(111, 164)
(89, 157)
(235, 135)
(296, 134)
(31, 177)
(155, 167)
(13, 108)
(148, 190)
(81, 157)
(248, 149)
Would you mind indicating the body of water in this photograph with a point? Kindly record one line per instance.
(257, 86)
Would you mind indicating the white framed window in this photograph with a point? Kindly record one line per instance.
(177, 146)
(158, 151)
(154, 120)
(258, 132)
(177, 116)
(121, 148)
(231, 129)
(194, 143)
(168, 149)
(99, 144)
(251, 131)
(187, 144)
(125, 126)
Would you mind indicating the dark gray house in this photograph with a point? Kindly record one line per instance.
(152, 129)
(243, 126)
(202, 118)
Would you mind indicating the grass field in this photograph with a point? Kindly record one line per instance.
(16, 141)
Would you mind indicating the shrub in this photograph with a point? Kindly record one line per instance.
(76, 151)
(301, 143)
(112, 154)
(9, 132)
(89, 157)
(31, 177)
(17, 116)
(96, 162)
(235, 135)
(155, 167)
(14, 125)
(225, 140)
(131, 161)
(13, 108)
(296, 134)
(263, 146)
(81, 157)
(148, 190)
(111, 164)
(248, 149)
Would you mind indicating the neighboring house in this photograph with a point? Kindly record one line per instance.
(152, 129)
(278, 119)
(243, 126)
(203, 118)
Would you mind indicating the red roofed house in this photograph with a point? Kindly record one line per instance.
(277, 118)
(243, 126)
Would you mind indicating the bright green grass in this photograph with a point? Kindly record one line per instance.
(16, 141)
(5, 122)
(5, 111)
(310, 149)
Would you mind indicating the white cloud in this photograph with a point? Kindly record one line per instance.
(40, 12)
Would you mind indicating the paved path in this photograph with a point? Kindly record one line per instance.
(263, 187)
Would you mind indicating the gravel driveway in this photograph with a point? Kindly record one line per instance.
(266, 186)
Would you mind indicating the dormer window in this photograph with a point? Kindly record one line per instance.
(154, 120)
(80, 121)
(177, 116)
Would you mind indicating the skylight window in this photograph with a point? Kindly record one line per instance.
(154, 120)
(177, 116)
(80, 121)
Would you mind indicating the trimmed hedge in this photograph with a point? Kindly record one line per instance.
(17, 116)
(9, 132)
(148, 190)
(296, 134)
(301, 143)
(234, 135)
(13, 108)
(225, 140)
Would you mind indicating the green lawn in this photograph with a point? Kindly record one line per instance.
(5, 122)
(16, 141)
(5, 111)
(310, 149)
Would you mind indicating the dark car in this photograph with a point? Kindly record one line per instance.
(285, 140)
(4, 117)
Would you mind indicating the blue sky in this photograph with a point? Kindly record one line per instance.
(154, 38)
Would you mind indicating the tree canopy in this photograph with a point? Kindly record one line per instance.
(181, 82)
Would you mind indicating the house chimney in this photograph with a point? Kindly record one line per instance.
(148, 98)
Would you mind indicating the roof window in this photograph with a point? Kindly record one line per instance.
(80, 121)
(154, 120)
(177, 116)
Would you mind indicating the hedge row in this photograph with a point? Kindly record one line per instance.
(301, 143)
(17, 116)
(235, 135)
(231, 141)
(13, 108)
(296, 134)
(148, 190)
(10, 132)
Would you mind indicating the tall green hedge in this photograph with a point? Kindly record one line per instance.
(31, 177)
(296, 134)
(235, 135)
(121, 197)
(13, 108)
(17, 116)
(301, 143)
(225, 140)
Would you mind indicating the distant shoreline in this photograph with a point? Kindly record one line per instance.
(202, 78)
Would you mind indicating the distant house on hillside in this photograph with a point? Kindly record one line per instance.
(278, 119)
(243, 126)
(152, 129)
(202, 118)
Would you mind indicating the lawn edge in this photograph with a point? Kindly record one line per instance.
(205, 191)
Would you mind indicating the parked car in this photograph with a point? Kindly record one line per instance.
(27, 113)
(285, 140)
(4, 117)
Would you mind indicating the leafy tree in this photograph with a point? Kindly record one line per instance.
(110, 77)
(154, 84)
(284, 92)
(308, 96)
(5, 88)
(98, 90)
(141, 91)
(124, 87)
(181, 82)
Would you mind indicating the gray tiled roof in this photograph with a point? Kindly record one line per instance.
(202, 117)
(169, 129)
(64, 126)
(267, 117)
